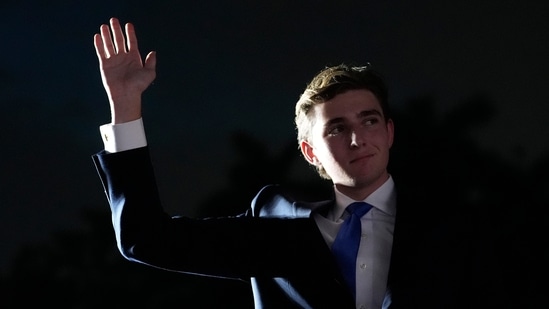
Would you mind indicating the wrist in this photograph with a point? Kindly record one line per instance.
(125, 110)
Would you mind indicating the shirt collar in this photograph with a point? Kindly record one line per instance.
(383, 199)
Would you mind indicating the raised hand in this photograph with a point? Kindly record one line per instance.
(123, 73)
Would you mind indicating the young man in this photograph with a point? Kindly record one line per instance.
(286, 247)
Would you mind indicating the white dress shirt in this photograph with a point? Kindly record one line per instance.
(124, 136)
(377, 225)
(374, 253)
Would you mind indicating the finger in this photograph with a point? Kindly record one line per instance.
(99, 47)
(150, 61)
(107, 41)
(118, 36)
(132, 38)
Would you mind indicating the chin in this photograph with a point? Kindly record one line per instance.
(366, 180)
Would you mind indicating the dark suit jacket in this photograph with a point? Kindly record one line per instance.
(277, 244)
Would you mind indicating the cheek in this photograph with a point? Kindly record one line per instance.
(324, 150)
(381, 140)
(334, 151)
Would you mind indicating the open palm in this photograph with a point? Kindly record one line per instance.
(123, 73)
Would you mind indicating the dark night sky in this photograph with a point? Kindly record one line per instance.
(239, 65)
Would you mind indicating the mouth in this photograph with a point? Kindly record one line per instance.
(362, 158)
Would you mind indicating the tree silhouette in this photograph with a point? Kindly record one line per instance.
(437, 154)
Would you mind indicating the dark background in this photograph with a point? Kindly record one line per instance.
(468, 80)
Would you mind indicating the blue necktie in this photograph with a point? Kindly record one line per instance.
(345, 247)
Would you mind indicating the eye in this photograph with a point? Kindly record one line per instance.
(370, 121)
(334, 130)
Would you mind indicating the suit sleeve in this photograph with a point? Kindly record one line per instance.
(232, 247)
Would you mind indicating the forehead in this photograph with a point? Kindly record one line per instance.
(350, 104)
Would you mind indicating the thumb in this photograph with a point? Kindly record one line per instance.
(150, 61)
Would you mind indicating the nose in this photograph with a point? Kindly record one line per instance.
(355, 140)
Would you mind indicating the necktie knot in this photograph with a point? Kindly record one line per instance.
(358, 208)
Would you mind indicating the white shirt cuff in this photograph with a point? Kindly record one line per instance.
(123, 136)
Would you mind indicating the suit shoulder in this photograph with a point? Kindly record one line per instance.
(274, 201)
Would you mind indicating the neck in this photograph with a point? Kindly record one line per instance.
(360, 192)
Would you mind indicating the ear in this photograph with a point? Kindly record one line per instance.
(390, 131)
(308, 152)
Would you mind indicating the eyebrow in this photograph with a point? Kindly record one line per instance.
(362, 114)
(370, 112)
